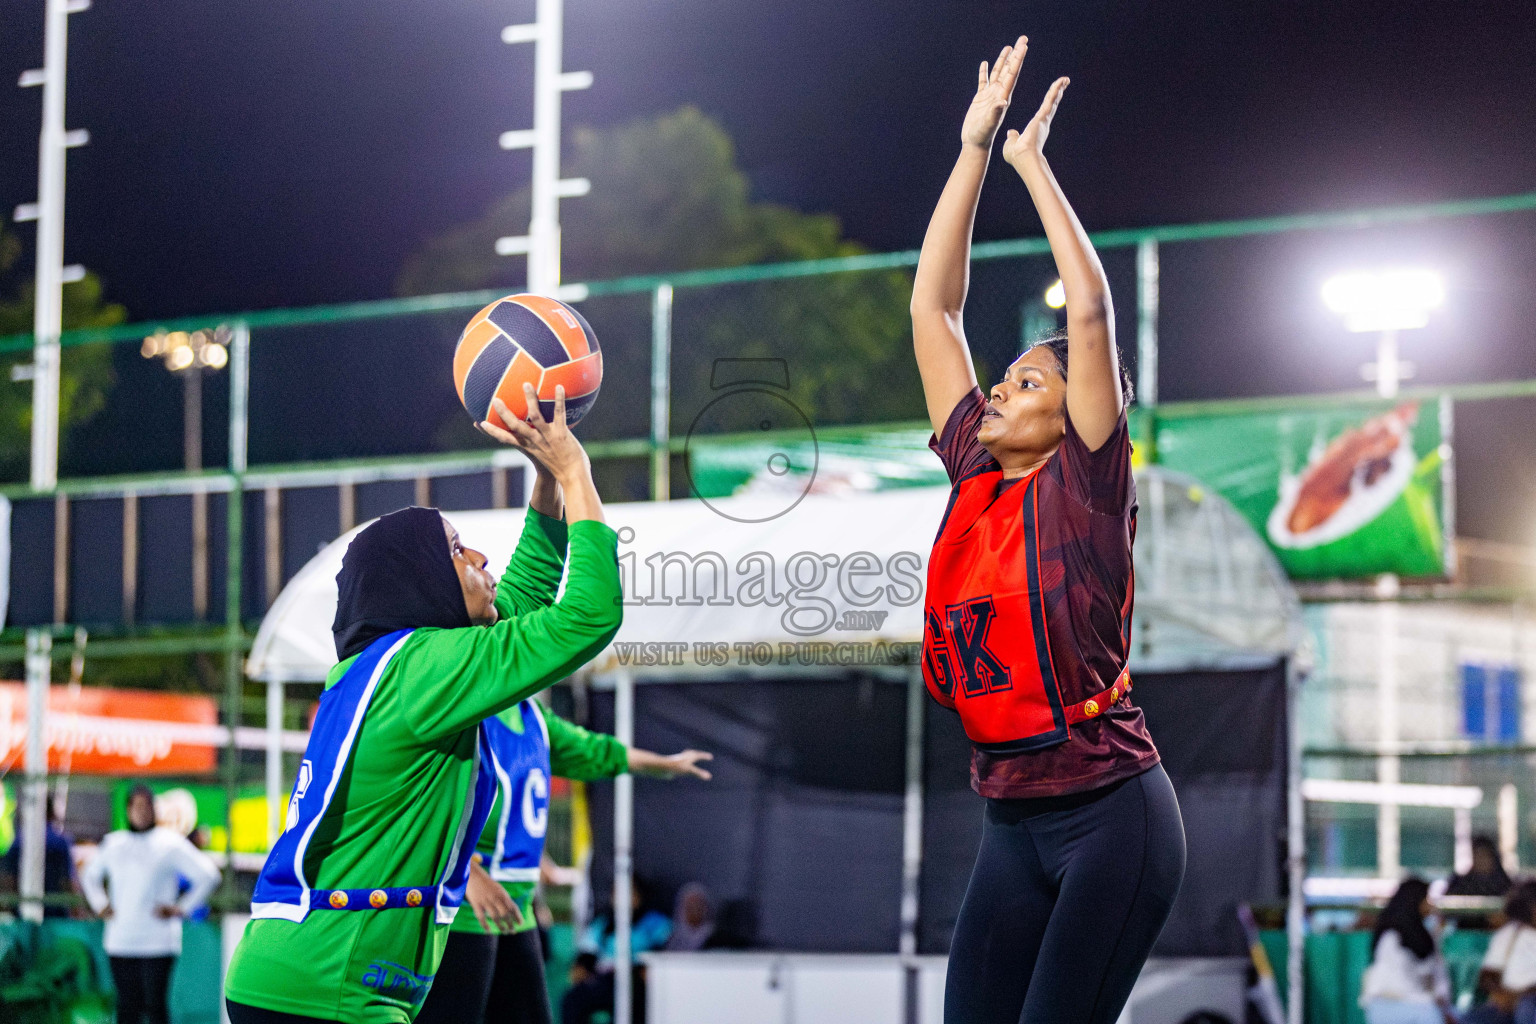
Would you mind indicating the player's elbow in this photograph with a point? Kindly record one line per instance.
(1091, 310)
(596, 619)
(933, 309)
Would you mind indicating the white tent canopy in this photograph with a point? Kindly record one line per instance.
(844, 572)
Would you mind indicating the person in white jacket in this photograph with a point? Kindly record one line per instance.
(142, 868)
(1407, 981)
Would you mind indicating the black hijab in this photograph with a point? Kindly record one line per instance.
(1401, 915)
(396, 574)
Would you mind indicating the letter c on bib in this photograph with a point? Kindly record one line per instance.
(536, 804)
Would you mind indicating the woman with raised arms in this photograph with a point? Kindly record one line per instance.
(1028, 614)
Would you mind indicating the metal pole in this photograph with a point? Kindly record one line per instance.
(544, 221)
(275, 806)
(912, 842)
(192, 453)
(1389, 817)
(1388, 764)
(1509, 827)
(1387, 366)
(34, 796)
(661, 392)
(542, 243)
(623, 852)
(234, 674)
(1296, 853)
(1147, 301)
(48, 311)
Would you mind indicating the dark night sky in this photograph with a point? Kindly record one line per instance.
(287, 153)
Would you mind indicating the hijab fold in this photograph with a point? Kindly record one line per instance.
(397, 574)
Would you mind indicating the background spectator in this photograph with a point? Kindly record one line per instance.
(650, 929)
(141, 868)
(1508, 975)
(693, 919)
(590, 993)
(1407, 981)
(58, 866)
(1487, 877)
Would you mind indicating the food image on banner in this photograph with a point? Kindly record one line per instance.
(1347, 491)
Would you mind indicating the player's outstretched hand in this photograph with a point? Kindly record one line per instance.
(670, 766)
(550, 443)
(1030, 143)
(994, 90)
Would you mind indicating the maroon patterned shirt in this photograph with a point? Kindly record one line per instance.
(1087, 522)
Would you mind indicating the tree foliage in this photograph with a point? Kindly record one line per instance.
(85, 375)
(667, 195)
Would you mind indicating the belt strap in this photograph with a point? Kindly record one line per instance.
(400, 896)
(1099, 703)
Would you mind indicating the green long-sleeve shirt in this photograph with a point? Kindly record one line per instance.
(574, 753)
(400, 801)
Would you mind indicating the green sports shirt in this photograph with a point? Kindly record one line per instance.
(404, 791)
(574, 753)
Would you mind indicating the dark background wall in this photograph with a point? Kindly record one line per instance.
(803, 818)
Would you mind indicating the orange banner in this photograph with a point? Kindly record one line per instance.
(98, 731)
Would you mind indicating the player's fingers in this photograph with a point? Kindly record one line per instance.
(521, 434)
(535, 414)
(997, 66)
(1053, 98)
(560, 405)
(1010, 73)
(981, 77)
(491, 430)
(480, 916)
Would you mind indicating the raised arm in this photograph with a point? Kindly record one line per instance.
(1094, 398)
(944, 269)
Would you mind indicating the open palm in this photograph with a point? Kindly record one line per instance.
(994, 90)
(1031, 141)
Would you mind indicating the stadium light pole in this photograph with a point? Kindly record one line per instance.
(542, 242)
(48, 212)
(47, 323)
(1386, 302)
(188, 356)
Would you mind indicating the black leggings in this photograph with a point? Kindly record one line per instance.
(1066, 899)
(463, 980)
(519, 993)
(495, 979)
(143, 988)
(240, 1013)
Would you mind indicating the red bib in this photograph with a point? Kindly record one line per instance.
(986, 650)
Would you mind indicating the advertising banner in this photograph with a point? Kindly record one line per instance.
(1350, 490)
(101, 731)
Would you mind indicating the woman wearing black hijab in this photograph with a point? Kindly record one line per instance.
(1407, 981)
(351, 911)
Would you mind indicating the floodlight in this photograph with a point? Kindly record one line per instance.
(179, 358)
(213, 355)
(1056, 295)
(1384, 300)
